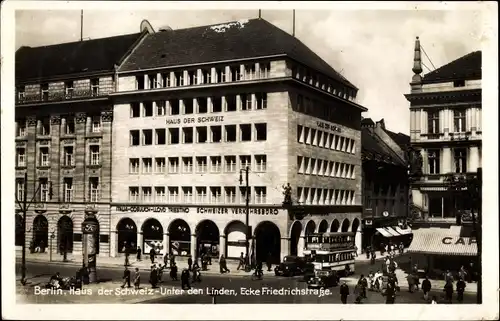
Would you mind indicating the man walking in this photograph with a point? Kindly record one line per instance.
(241, 262)
(152, 254)
(344, 292)
(426, 287)
(153, 276)
(190, 263)
(126, 278)
(460, 290)
(448, 290)
(137, 279)
(139, 253)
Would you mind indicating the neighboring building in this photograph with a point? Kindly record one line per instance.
(196, 106)
(63, 138)
(446, 129)
(385, 185)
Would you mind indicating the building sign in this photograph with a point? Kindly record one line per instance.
(327, 126)
(460, 240)
(199, 210)
(195, 120)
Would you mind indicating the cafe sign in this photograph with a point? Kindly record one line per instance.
(460, 240)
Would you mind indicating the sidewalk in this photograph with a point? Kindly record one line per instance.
(362, 257)
(118, 262)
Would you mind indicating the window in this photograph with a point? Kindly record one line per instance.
(230, 133)
(245, 161)
(147, 194)
(44, 156)
(174, 107)
(187, 135)
(94, 154)
(216, 104)
(160, 165)
(201, 135)
(261, 131)
(459, 120)
(187, 164)
(147, 165)
(96, 124)
(433, 122)
(94, 86)
(94, 189)
(160, 108)
(159, 194)
(231, 103)
(230, 194)
(215, 195)
(21, 128)
(201, 194)
(139, 82)
(147, 108)
(246, 101)
(216, 132)
(434, 163)
(173, 165)
(147, 137)
(44, 92)
(459, 83)
(160, 136)
(215, 164)
(45, 127)
(300, 137)
(20, 189)
(207, 76)
(245, 132)
(230, 163)
(134, 165)
(261, 99)
(44, 190)
(260, 163)
(260, 195)
(68, 89)
(235, 73)
(70, 126)
(243, 194)
(187, 194)
(202, 105)
(460, 160)
(173, 135)
(133, 194)
(193, 77)
(300, 164)
(134, 138)
(188, 106)
(21, 90)
(69, 156)
(153, 82)
(165, 78)
(221, 74)
(68, 190)
(173, 194)
(21, 157)
(300, 103)
(179, 78)
(264, 70)
(201, 164)
(249, 72)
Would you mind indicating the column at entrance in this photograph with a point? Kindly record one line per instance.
(166, 243)
(222, 246)
(285, 247)
(112, 243)
(194, 245)
(300, 245)
(140, 241)
(358, 240)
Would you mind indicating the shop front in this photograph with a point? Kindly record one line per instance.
(381, 231)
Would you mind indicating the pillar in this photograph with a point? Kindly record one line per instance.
(222, 246)
(301, 245)
(166, 243)
(285, 247)
(113, 238)
(194, 246)
(358, 240)
(140, 241)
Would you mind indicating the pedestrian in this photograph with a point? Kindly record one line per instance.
(196, 272)
(374, 256)
(363, 285)
(137, 279)
(448, 276)
(153, 276)
(411, 282)
(241, 262)
(426, 287)
(127, 253)
(367, 252)
(358, 293)
(42, 246)
(448, 290)
(460, 290)
(165, 260)
(152, 254)
(462, 274)
(390, 294)
(269, 261)
(344, 292)
(172, 260)
(401, 248)
(139, 253)
(185, 279)
(190, 263)
(126, 278)
(173, 271)
(223, 265)
(160, 272)
(355, 250)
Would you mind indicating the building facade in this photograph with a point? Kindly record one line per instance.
(189, 122)
(385, 185)
(63, 140)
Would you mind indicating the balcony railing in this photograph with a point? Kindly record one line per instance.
(60, 96)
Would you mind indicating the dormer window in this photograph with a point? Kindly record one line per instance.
(207, 76)
(235, 73)
(153, 82)
(179, 78)
(44, 92)
(68, 87)
(193, 77)
(459, 83)
(94, 86)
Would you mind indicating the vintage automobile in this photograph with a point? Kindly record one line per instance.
(308, 271)
(323, 279)
(291, 265)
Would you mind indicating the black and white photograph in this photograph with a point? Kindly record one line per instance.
(253, 160)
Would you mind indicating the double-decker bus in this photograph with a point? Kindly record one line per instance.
(331, 250)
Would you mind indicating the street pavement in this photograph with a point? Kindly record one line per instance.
(38, 274)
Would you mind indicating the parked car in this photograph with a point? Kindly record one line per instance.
(308, 271)
(323, 279)
(291, 265)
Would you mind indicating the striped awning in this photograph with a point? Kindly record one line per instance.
(442, 242)
(392, 231)
(384, 232)
(401, 231)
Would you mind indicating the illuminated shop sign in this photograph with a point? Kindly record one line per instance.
(198, 210)
(195, 120)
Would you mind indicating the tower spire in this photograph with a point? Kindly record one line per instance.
(417, 59)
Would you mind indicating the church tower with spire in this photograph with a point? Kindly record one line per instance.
(416, 80)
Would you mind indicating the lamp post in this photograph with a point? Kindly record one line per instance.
(474, 187)
(24, 206)
(247, 210)
(52, 236)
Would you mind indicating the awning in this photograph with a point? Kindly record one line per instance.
(442, 242)
(401, 231)
(392, 231)
(384, 232)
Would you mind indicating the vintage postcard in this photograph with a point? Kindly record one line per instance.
(249, 160)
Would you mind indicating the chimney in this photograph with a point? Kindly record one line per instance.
(381, 123)
(417, 66)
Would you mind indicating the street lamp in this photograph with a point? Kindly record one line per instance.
(24, 206)
(52, 236)
(247, 210)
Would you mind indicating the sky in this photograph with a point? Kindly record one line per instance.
(373, 49)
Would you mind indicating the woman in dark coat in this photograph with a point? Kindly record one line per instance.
(153, 277)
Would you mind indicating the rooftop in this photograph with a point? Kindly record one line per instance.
(96, 55)
(243, 39)
(467, 67)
